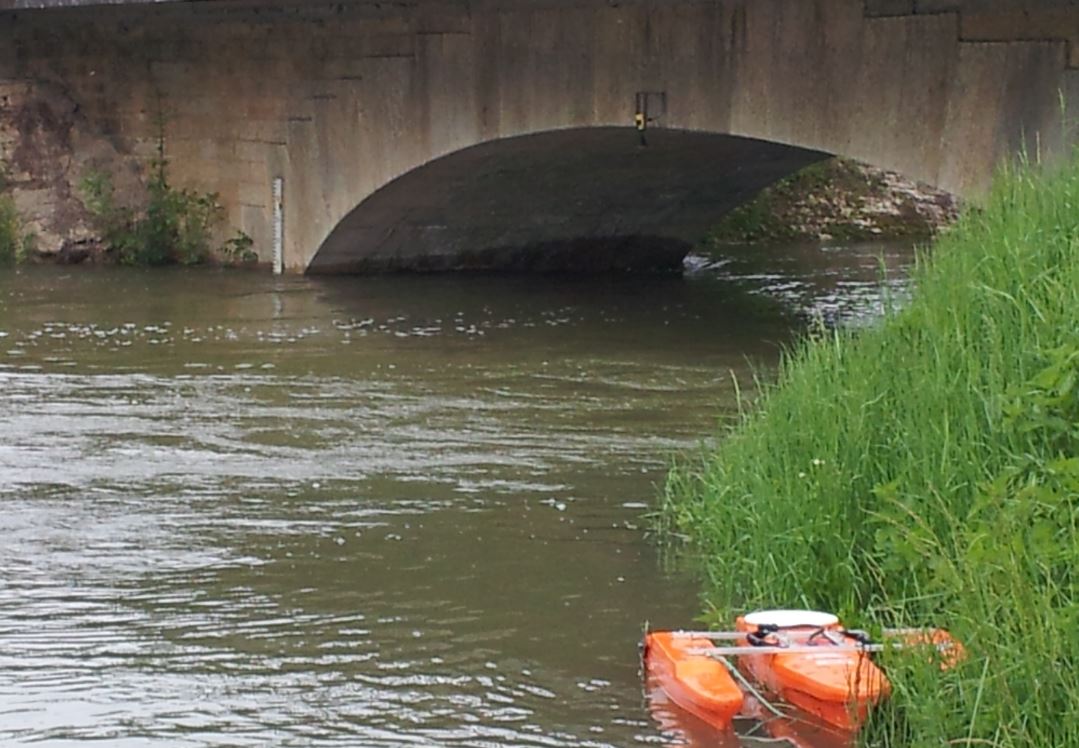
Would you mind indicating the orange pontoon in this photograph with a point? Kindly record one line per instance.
(805, 658)
(699, 684)
(839, 683)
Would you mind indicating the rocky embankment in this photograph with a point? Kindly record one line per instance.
(838, 200)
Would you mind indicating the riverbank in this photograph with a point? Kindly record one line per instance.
(926, 471)
(837, 200)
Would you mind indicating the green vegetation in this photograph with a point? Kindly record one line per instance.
(926, 471)
(16, 243)
(12, 245)
(175, 226)
(239, 250)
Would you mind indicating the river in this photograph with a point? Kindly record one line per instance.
(240, 510)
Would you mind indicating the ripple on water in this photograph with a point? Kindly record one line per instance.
(222, 526)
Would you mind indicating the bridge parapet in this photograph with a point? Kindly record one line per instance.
(999, 21)
(60, 4)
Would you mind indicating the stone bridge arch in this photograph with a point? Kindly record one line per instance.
(582, 200)
(343, 99)
(905, 92)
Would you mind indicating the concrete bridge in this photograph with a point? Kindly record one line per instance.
(440, 134)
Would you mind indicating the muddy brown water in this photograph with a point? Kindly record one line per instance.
(238, 510)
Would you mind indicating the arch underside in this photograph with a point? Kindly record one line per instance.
(586, 200)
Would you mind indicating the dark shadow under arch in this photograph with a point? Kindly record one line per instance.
(589, 200)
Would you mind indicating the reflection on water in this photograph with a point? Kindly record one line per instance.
(755, 727)
(841, 285)
(240, 510)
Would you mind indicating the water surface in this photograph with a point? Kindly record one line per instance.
(404, 511)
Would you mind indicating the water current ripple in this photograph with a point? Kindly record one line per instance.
(247, 511)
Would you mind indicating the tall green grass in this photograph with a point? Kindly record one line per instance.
(926, 471)
(11, 239)
(15, 242)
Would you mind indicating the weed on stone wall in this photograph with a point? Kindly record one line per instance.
(10, 243)
(175, 226)
(16, 243)
(239, 250)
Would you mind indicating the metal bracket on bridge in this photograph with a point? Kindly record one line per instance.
(650, 108)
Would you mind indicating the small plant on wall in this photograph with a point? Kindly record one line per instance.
(239, 250)
(12, 248)
(16, 244)
(176, 226)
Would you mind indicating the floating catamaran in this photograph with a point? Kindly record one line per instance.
(805, 658)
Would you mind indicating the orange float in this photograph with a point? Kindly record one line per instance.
(827, 674)
(804, 658)
(696, 682)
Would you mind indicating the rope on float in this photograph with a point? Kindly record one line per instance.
(749, 687)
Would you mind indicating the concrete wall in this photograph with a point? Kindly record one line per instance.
(341, 99)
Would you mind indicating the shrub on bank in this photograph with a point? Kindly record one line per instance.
(176, 226)
(11, 239)
(16, 243)
(927, 472)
